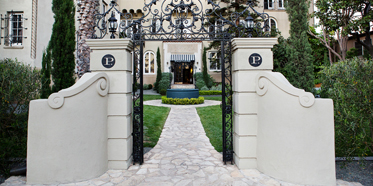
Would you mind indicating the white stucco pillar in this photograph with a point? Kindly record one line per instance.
(113, 56)
(245, 101)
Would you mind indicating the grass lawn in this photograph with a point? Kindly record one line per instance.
(213, 98)
(154, 119)
(212, 123)
(151, 97)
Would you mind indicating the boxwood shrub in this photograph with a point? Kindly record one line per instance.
(184, 101)
(210, 92)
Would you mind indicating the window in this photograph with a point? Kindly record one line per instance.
(272, 25)
(156, 25)
(216, 28)
(215, 64)
(281, 4)
(268, 4)
(15, 29)
(149, 62)
(360, 48)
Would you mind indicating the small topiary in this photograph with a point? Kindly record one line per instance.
(163, 92)
(150, 86)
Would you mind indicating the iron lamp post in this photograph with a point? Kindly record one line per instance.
(249, 22)
(113, 25)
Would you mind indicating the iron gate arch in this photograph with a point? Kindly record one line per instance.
(185, 20)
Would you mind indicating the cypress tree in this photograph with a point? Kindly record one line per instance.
(159, 70)
(46, 73)
(299, 68)
(204, 69)
(62, 44)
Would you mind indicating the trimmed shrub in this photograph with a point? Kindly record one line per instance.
(147, 86)
(165, 81)
(200, 80)
(349, 83)
(204, 88)
(184, 101)
(19, 85)
(200, 83)
(163, 92)
(216, 87)
(210, 92)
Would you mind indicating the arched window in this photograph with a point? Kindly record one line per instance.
(149, 62)
(272, 24)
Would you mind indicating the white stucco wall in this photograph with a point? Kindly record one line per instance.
(295, 139)
(67, 134)
(44, 29)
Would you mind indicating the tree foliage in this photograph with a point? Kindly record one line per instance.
(319, 54)
(349, 83)
(342, 18)
(299, 68)
(159, 70)
(19, 84)
(46, 73)
(62, 44)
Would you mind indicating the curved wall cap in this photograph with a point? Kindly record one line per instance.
(306, 99)
(56, 100)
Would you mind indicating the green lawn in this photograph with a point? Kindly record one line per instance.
(212, 123)
(154, 120)
(213, 98)
(151, 97)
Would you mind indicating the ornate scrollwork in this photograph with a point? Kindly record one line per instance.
(184, 19)
(306, 99)
(56, 100)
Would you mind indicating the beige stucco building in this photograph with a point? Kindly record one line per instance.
(28, 25)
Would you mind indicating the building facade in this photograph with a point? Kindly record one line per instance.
(26, 27)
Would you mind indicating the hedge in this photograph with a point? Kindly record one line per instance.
(184, 101)
(210, 92)
(349, 83)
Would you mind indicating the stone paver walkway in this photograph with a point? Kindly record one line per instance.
(183, 156)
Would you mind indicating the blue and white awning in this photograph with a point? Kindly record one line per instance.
(180, 58)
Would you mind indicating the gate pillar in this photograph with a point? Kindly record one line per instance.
(113, 56)
(250, 57)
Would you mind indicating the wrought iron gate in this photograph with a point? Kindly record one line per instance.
(175, 20)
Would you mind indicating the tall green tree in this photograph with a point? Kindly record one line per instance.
(46, 73)
(62, 44)
(343, 19)
(159, 70)
(299, 67)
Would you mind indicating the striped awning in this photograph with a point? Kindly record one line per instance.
(182, 58)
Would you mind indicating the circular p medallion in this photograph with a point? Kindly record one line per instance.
(255, 60)
(108, 61)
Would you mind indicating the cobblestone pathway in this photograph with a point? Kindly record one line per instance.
(183, 156)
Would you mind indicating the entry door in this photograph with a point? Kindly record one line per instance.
(178, 73)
